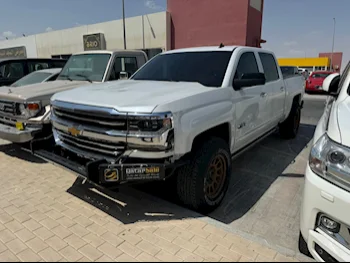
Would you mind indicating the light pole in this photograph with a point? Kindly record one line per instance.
(124, 31)
(333, 44)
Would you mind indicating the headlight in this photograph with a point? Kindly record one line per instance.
(150, 123)
(29, 110)
(331, 161)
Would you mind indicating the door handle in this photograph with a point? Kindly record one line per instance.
(263, 94)
(282, 88)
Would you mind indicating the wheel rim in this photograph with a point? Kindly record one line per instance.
(216, 177)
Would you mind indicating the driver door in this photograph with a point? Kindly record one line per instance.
(250, 103)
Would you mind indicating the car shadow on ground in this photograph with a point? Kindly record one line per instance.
(256, 170)
(16, 151)
(128, 205)
(253, 174)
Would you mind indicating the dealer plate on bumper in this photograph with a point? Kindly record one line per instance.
(131, 172)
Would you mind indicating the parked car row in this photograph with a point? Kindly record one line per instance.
(185, 113)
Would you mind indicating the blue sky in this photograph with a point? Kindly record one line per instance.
(292, 28)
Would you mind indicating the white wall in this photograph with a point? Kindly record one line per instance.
(70, 41)
(29, 42)
(67, 41)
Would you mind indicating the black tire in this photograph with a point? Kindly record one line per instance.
(303, 248)
(193, 180)
(290, 127)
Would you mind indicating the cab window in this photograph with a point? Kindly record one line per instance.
(126, 64)
(247, 64)
(35, 66)
(12, 70)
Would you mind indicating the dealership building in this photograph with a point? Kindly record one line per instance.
(184, 24)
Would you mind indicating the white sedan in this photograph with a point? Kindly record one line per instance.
(325, 213)
(38, 77)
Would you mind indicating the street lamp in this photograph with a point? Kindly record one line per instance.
(333, 44)
(124, 24)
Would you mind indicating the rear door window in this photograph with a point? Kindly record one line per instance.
(12, 70)
(270, 67)
(37, 65)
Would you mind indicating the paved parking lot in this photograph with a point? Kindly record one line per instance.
(47, 214)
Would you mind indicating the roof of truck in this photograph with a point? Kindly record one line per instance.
(108, 51)
(202, 49)
(211, 48)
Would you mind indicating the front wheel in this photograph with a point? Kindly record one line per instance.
(203, 183)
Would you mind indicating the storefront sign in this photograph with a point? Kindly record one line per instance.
(94, 42)
(13, 52)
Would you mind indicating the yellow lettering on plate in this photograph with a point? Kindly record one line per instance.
(151, 170)
(20, 126)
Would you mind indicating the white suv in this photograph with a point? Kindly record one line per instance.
(325, 215)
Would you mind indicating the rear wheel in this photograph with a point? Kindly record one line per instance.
(203, 183)
(290, 127)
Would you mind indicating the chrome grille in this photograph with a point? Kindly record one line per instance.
(106, 121)
(7, 107)
(89, 144)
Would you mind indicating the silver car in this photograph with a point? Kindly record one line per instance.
(38, 77)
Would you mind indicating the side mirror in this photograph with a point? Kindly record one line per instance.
(123, 75)
(331, 84)
(249, 80)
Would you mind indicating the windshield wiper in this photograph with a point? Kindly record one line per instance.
(83, 76)
(66, 76)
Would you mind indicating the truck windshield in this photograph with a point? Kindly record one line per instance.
(91, 67)
(33, 78)
(206, 68)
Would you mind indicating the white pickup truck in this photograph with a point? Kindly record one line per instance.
(25, 110)
(325, 216)
(185, 113)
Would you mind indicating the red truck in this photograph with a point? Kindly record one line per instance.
(315, 81)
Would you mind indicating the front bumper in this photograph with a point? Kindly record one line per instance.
(105, 174)
(323, 198)
(12, 134)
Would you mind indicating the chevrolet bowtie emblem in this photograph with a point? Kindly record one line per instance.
(74, 131)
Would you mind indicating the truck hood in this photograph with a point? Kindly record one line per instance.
(343, 113)
(37, 91)
(131, 95)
